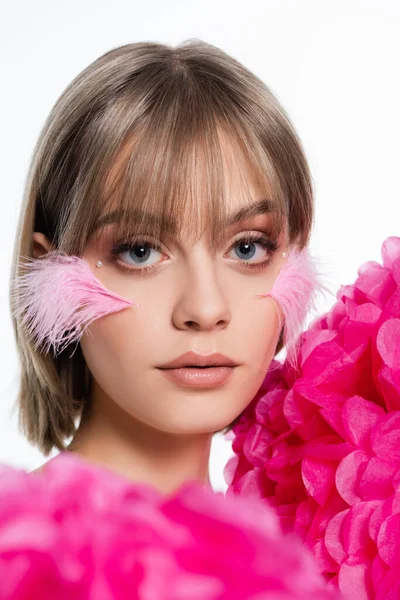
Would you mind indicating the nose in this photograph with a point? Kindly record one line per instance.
(201, 303)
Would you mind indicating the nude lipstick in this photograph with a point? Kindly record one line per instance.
(199, 371)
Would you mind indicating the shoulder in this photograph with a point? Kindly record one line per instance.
(42, 467)
(38, 470)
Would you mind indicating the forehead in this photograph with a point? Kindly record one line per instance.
(204, 186)
(239, 175)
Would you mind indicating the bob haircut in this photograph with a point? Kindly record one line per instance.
(123, 143)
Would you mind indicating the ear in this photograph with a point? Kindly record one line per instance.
(41, 245)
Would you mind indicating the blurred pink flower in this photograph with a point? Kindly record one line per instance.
(322, 443)
(81, 531)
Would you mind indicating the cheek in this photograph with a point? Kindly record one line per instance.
(123, 345)
(265, 328)
(120, 333)
(255, 333)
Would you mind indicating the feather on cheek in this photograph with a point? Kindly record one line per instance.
(57, 297)
(294, 290)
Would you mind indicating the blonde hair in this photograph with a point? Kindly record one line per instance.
(123, 142)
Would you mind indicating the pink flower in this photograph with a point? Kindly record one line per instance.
(80, 531)
(322, 443)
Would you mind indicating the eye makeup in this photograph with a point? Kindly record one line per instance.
(138, 241)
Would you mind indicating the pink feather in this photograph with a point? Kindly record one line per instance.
(294, 289)
(58, 296)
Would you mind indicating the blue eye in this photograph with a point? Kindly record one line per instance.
(246, 248)
(139, 251)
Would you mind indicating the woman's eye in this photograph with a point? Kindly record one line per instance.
(142, 256)
(138, 255)
(246, 249)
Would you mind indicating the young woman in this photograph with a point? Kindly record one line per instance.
(176, 174)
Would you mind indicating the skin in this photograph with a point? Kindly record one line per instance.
(143, 426)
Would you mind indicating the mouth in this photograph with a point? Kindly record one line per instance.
(199, 367)
(195, 367)
(200, 361)
(200, 376)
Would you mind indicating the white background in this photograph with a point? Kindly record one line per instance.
(333, 65)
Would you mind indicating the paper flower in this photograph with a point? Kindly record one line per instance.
(322, 443)
(80, 531)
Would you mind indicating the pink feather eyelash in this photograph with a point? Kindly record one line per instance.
(57, 297)
(295, 290)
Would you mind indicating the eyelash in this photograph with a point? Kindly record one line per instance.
(263, 240)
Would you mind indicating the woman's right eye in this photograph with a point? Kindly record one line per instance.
(138, 252)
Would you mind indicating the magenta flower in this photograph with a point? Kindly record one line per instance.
(322, 443)
(80, 531)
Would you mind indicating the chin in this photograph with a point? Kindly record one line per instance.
(198, 425)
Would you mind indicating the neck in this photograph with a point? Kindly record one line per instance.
(111, 437)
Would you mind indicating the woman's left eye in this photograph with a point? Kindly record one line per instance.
(245, 244)
(140, 251)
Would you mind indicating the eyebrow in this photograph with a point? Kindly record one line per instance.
(261, 207)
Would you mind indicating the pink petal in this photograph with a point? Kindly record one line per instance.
(323, 515)
(319, 478)
(379, 570)
(389, 541)
(383, 510)
(323, 559)
(388, 343)
(334, 537)
(348, 475)
(385, 437)
(304, 516)
(359, 416)
(256, 444)
(355, 530)
(376, 483)
(230, 469)
(388, 383)
(389, 588)
(376, 282)
(390, 252)
(355, 581)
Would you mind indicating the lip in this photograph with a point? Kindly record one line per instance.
(200, 360)
(194, 377)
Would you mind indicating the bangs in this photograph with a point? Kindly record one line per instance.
(172, 176)
(166, 169)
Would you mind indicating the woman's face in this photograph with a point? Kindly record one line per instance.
(193, 299)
